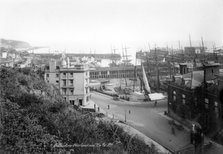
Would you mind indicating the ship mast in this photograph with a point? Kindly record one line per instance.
(190, 41)
(157, 69)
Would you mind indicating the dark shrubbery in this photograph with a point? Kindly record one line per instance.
(34, 117)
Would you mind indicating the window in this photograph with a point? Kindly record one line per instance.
(64, 74)
(183, 99)
(216, 109)
(47, 75)
(71, 74)
(87, 98)
(72, 102)
(80, 102)
(64, 91)
(86, 90)
(57, 67)
(71, 91)
(57, 81)
(103, 72)
(64, 82)
(215, 104)
(174, 96)
(206, 103)
(71, 82)
(57, 75)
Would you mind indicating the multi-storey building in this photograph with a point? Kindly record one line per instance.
(196, 96)
(72, 81)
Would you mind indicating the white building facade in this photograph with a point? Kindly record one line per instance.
(72, 81)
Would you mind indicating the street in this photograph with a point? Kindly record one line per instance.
(146, 118)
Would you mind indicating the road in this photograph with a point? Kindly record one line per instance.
(146, 118)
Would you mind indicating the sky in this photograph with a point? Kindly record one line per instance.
(99, 25)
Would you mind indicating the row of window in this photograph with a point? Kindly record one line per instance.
(70, 82)
(175, 97)
(206, 101)
(70, 74)
(67, 91)
(72, 102)
(57, 75)
(70, 91)
(80, 101)
(113, 72)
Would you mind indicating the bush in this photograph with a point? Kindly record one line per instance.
(33, 123)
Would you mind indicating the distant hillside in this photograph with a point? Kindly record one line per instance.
(14, 44)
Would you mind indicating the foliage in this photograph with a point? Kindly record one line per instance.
(21, 132)
(34, 117)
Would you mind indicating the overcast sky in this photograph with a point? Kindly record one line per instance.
(100, 24)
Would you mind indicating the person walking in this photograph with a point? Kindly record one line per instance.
(155, 103)
(173, 130)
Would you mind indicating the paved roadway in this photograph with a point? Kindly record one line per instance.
(146, 118)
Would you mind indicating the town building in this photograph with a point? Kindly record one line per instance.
(194, 50)
(71, 80)
(195, 96)
(3, 54)
(6, 62)
(115, 72)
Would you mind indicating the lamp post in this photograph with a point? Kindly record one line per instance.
(125, 115)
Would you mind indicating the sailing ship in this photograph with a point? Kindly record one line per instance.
(148, 95)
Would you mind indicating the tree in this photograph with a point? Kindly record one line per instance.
(21, 132)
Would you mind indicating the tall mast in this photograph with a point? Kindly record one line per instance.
(215, 53)
(135, 76)
(172, 73)
(113, 58)
(190, 41)
(179, 44)
(124, 58)
(126, 54)
(202, 47)
(202, 44)
(157, 70)
(149, 47)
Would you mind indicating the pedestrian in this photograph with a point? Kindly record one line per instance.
(129, 111)
(155, 103)
(95, 107)
(173, 130)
